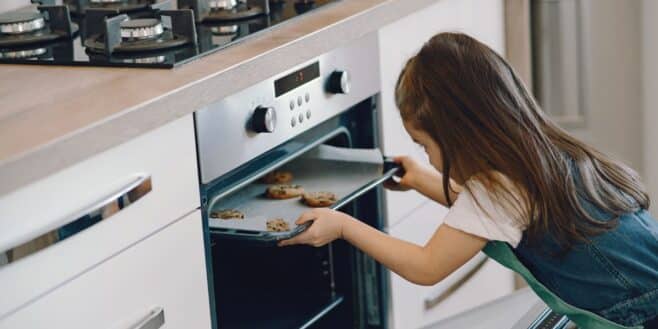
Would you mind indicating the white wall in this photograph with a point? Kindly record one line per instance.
(613, 58)
(649, 38)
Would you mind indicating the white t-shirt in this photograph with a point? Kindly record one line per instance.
(486, 218)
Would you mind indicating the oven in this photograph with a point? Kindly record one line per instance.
(318, 121)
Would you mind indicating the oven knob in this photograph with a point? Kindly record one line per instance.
(339, 82)
(263, 120)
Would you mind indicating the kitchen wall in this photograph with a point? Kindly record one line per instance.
(649, 25)
(613, 79)
(623, 90)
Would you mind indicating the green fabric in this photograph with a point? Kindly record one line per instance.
(503, 254)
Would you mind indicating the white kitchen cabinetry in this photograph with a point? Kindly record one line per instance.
(409, 215)
(162, 278)
(413, 306)
(165, 157)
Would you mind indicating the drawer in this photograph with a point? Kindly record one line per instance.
(157, 170)
(415, 306)
(163, 273)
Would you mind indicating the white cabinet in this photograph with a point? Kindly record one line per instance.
(163, 273)
(166, 156)
(412, 305)
(402, 39)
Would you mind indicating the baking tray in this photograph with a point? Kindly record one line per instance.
(347, 172)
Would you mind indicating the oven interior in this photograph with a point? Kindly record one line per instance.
(260, 285)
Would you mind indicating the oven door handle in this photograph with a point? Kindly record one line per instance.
(390, 164)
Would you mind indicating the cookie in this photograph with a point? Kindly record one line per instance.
(284, 191)
(277, 225)
(227, 214)
(319, 199)
(277, 177)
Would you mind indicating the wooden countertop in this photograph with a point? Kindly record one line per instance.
(54, 116)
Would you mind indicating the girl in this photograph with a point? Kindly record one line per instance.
(570, 220)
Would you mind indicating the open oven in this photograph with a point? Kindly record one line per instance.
(318, 121)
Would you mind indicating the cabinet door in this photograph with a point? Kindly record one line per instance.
(402, 39)
(158, 283)
(135, 188)
(473, 284)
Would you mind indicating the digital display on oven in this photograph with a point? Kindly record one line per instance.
(296, 79)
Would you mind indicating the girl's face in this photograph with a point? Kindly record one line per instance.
(429, 145)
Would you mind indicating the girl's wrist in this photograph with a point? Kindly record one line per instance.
(344, 222)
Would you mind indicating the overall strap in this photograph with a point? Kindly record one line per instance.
(503, 254)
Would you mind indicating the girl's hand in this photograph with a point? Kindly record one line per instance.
(414, 172)
(327, 226)
(426, 180)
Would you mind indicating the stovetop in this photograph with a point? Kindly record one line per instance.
(136, 33)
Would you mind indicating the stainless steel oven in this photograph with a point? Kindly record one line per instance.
(318, 121)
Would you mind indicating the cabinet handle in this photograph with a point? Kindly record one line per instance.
(154, 320)
(436, 299)
(79, 220)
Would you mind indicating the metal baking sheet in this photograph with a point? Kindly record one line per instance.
(347, 172)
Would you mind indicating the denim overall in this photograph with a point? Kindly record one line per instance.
(611, 282)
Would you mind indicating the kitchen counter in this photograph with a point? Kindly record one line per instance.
(54, 116)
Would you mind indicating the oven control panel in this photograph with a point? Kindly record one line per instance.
(242, 126)
(298, 98)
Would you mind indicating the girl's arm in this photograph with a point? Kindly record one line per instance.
(447, 250)
(426, 180)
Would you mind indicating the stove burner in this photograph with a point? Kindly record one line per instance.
(209, 11)
(27, 53)
(222, 4)
(224, 29)
(143, 28)
(20, 22)
(27, 29)
(117, 34)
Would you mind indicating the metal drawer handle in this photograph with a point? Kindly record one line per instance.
(433, 301)
(154, 320)
(82, 219)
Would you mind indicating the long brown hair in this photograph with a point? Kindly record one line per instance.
(471, 102)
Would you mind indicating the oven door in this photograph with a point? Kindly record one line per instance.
(259, 285)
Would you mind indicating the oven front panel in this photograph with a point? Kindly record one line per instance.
(258, 285)
(226, 130)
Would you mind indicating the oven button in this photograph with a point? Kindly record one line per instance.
(293, 122)
(308, 114)
(307, 97)
(292, 105)
(263, 120)
(339, 82)
(299, 101)
(301, 117)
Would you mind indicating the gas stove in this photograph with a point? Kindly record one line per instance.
(136, 33)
